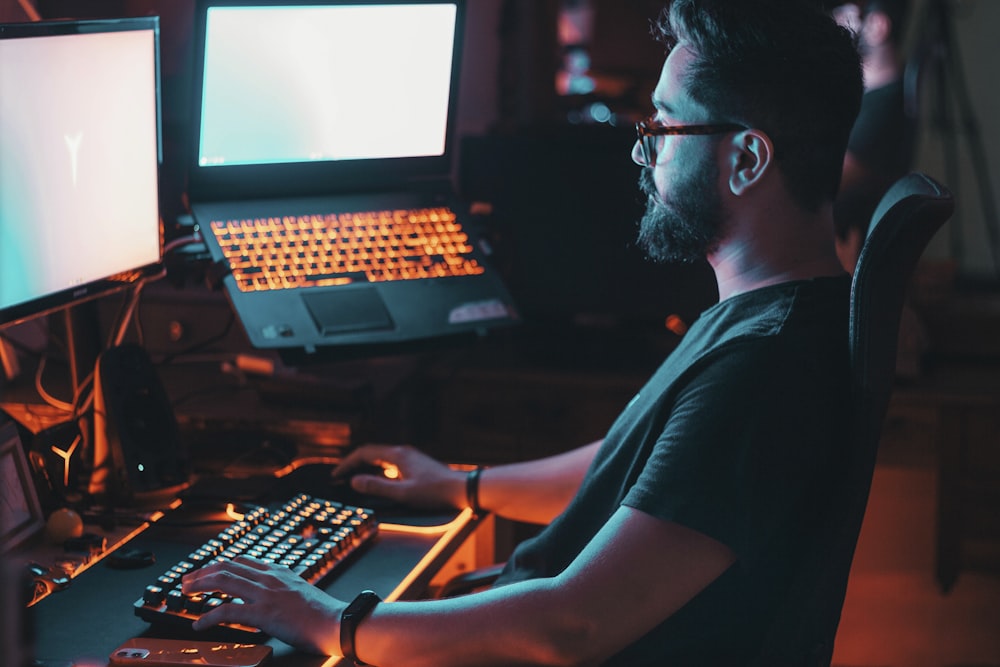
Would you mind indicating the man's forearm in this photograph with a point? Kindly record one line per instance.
(505, 626)
(535, 491)
(637, 571)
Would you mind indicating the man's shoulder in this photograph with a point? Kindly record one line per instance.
(785, 330)
(778, 309)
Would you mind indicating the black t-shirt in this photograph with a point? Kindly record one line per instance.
(736, 436)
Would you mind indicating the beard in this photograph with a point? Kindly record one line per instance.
(686, 225)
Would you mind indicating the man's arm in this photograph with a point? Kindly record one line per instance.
(636, 572)
(535, 491)
(532, 491)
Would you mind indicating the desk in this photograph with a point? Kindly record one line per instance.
(86, 622)
(952, 418)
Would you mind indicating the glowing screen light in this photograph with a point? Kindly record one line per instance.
(306, 83)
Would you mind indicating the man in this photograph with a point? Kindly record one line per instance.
(672, 541)
(880, 150)
(883, 141)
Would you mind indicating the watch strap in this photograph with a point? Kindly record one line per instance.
(355, 612)
(472, 490)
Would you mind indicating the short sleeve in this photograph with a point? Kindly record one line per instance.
(739, 448)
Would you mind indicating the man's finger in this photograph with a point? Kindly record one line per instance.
(225, 581)
(363, 455)
(379, 486)
(230, 612)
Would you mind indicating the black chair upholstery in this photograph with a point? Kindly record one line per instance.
(906, 219)
(909, 215)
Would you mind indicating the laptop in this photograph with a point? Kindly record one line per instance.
(322, 129)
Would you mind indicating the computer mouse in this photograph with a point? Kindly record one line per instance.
(342, 491)
(367, 469)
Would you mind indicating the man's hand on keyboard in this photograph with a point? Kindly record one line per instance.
(419, 481)
(274, 599)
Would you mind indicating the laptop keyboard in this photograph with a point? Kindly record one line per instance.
(342, 248)
(311, 536)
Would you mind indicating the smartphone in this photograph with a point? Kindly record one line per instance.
(150, 652)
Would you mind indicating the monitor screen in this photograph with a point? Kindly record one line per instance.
(319, 90)
(79, 161)
(321, 96)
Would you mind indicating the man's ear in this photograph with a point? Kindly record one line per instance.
(751, 158)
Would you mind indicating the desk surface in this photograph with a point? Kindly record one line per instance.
(83, 624)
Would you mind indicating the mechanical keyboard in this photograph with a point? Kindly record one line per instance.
(309, 535)
(342, 248)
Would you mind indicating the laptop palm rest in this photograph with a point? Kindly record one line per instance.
(337, 312)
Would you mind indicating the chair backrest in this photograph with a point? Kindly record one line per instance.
(906, 219)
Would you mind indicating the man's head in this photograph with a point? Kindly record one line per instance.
(783, 67)
(781, 80)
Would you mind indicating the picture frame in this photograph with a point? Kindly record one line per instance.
(21, 514)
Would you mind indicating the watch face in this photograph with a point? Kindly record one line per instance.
(363, 603)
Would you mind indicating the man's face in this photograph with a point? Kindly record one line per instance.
(684, 216)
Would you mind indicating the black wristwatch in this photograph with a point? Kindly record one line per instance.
(360, 607)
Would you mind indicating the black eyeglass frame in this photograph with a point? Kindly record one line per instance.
(648, 131)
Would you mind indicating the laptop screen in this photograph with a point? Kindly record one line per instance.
(317, 98)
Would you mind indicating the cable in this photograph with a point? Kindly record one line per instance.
(30, 10)
(205, 343)
(129, 308)
(45, 395)
(180, 242)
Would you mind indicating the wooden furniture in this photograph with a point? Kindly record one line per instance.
(952, 417)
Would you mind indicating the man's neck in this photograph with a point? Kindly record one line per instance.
(768, 252)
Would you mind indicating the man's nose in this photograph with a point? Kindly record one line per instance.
(637, 154)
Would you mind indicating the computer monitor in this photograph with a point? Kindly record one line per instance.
(79, 161)
(321, 96)
(328, 46)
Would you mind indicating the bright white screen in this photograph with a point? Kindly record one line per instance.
(306, 83)
(78, 160)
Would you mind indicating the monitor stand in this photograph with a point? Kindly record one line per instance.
(81, 327)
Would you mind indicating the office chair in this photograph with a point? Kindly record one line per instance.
(908, 216)
(906, 219)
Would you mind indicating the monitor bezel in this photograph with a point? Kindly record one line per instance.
(58, 300)
(229, 182)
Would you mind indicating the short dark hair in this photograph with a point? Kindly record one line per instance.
(782, 66)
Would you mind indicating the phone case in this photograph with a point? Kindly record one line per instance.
(151, 652)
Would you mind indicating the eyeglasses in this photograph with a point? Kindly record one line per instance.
(650, 129)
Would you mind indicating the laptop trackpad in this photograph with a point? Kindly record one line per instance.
(343, 311)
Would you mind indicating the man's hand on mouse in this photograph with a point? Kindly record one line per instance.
(414, 478)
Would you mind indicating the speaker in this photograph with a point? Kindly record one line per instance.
(137, 447)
